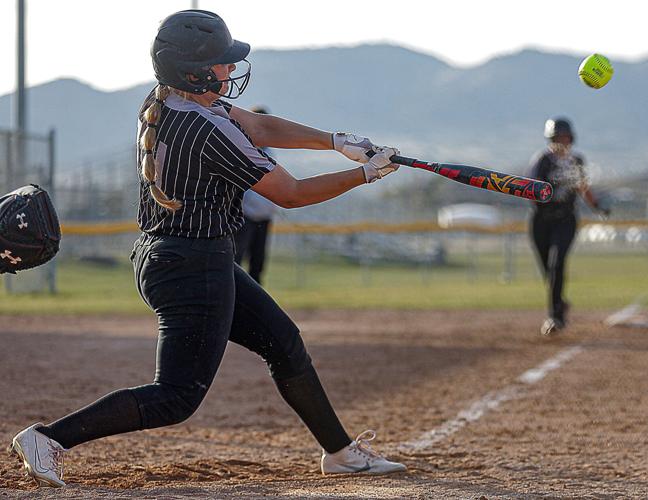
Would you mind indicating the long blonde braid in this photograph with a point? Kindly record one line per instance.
(147, 143)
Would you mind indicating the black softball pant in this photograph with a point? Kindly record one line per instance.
(552, 239)
(202, 301)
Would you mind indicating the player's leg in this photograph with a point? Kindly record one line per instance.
(541, 237)
(193, 330)
(260, 325)
(562, 238)
(258, 248)
(541, 240)
(242, 241)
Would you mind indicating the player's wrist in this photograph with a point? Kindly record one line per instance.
(352, 146)
(370, 173)
(338, 139)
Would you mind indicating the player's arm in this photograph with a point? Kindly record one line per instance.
(272, 131)
(589, 197)
(275, 132)
(586, 191)
(280, 187)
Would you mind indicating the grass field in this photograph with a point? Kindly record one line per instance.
(594, 282)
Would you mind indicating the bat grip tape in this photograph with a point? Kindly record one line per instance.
(400, 160)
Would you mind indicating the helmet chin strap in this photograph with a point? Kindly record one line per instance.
(215, 85)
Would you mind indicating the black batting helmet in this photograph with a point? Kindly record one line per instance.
(190, 42)
(558, 126)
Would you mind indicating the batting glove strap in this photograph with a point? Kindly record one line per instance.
(30, 233)
(352, 146)
(380, 164)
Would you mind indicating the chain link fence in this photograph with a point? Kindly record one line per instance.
(365, 228)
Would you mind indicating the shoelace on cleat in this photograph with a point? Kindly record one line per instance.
(56, 456)
(362, 443)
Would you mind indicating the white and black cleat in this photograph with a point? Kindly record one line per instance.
(41, 456)
(551, 327)
(359, 458)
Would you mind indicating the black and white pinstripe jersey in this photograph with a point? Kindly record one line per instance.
(205, 160)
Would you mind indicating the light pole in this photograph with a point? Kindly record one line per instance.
(21, 118)
(16, 167)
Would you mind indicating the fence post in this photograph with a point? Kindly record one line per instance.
(365, 273)
(300, 277)
(7, 177)
(365, 262)
(426, 263)
(51, 139)
(473, 253)
(508, 274)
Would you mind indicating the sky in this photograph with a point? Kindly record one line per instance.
(106, 43)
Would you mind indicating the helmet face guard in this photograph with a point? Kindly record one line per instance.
(188, 44)
(206, 81)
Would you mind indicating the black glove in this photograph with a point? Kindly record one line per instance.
(29, 229)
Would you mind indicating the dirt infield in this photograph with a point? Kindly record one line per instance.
(580, 431)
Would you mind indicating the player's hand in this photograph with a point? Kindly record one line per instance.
(353, 146)
(604, 212)
(380, 165)
(602, 208)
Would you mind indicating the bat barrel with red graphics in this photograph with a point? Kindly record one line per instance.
(482, 178)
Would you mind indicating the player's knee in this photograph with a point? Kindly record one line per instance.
(169, 405)
(188, 401)
(287, 356)
(289, 364)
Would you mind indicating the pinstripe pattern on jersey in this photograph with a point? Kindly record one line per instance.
(208, 162)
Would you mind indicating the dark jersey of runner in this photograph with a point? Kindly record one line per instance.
(203, 159)
(566, 175)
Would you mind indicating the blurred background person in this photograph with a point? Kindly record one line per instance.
(252, 238)
(553, 224)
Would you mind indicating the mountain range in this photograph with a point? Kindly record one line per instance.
(491, 114)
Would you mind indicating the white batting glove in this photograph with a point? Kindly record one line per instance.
(380, 165)
(352, 146)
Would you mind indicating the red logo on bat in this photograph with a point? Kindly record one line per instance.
(477, 181)
(450, 173)
(546, 192)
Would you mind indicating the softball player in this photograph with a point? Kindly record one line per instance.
(553, 224)
(198, 155)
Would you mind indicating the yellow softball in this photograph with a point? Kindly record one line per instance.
(595, 71)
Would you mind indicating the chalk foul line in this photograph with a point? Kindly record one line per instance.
(490, 401)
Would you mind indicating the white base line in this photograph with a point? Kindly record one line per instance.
(489, 402)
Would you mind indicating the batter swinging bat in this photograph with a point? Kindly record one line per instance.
(482, 178)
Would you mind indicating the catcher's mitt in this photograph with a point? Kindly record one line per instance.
(29, 229)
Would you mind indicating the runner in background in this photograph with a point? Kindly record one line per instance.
(252, 239)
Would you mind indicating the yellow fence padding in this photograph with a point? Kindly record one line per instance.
(123, 227)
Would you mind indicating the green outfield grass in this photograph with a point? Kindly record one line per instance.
(594, 282)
